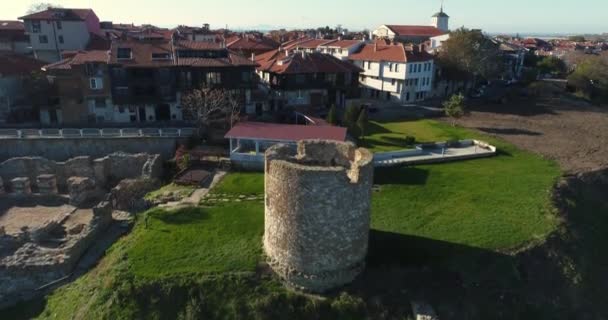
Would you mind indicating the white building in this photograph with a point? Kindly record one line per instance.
(393, 73)
(341, 49)
(56, 29)
(414, 33)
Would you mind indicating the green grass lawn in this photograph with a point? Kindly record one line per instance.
(390, 136)
(223, 238)
(241, 183)
(180, 191)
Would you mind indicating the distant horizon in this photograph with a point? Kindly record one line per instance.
(504, 17)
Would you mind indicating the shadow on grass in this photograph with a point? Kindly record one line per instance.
(24, 310)
(181, 216)
(375, 128)
(401, 176)
(510, 131)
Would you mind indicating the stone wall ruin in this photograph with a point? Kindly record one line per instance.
(317, 214)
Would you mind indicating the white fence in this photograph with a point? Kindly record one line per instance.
(96, 133)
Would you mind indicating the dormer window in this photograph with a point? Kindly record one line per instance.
(161, 56)
(124, 54)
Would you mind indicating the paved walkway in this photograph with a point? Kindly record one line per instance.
(436, 155)
(195, 198)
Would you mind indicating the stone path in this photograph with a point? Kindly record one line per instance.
(195, 198)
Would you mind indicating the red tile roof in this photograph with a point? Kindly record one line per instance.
(59, 14)
(393, 53)
(251, 44)
(415, 31)
(343, 44)
(79, 58)
(279, 61)
(285, 132)
(10, 25)
(198, 45)
(232, 60)
(15, 64)
(313, 43)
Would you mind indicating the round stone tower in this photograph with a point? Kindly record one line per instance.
(317, 212)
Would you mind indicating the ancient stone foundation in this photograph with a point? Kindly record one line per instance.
(317, 213)
(21, 186)
(47, 184)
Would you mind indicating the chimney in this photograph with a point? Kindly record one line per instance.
(375, 46)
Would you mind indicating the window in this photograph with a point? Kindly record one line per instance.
(396, 67)
(246, 76)
(393, 82)
(122, 91)
(60, 39)
(36, 26)
(43, 39)
(214, 78)
(369, 65)
(123, 53)
(331, 78)
(96, 83)
(161, 56)
(390, 67)
(59, 25)
(300, 78)
(100, 103)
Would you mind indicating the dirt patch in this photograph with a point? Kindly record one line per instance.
(570, 132)
(35, 217)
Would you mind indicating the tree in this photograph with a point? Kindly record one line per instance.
(469, 53)
(590, 78)
(41, 6)
(207, 104)
(454, 107)
(362, 122)
(332, 116)
(577, 38)
(351, 115)
(551, 65)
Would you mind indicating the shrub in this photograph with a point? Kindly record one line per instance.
(410, 141)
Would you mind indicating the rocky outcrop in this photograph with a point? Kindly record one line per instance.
(129, 194)
(317, 213)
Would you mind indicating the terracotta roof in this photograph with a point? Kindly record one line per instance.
(343, 44)
(232, 60)
(313, 43)
(285, 132)
(98, 42)
(278, 61)
(15, 64)
(393, 53)
(79, 58)
(10, 25)
(59, 14)
(415, 31)
(250, 43)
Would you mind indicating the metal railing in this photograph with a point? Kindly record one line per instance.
(97, 133)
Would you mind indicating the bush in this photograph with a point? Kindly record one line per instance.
(348, 307)
(410, 141)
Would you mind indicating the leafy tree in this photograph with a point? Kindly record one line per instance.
(362, 122)
(591, 78)
(332, 116)
(41, 6)
(351, 115)
(551, 65)
(454, 107)
(470, 53)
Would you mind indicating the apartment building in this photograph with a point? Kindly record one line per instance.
(394, 73)
(57, 29)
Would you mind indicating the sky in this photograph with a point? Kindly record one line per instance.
(493, 16)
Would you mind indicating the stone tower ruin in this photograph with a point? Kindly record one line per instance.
(317, 216)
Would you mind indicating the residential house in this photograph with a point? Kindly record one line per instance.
(15, 70)
(415, 33)
(13, 37)
(299, 78)
(82, 94)
(395, 73)
(250, 44)
(56, 29)
(341, 49)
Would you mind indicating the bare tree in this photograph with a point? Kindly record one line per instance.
(41, 6)
(208, 104)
